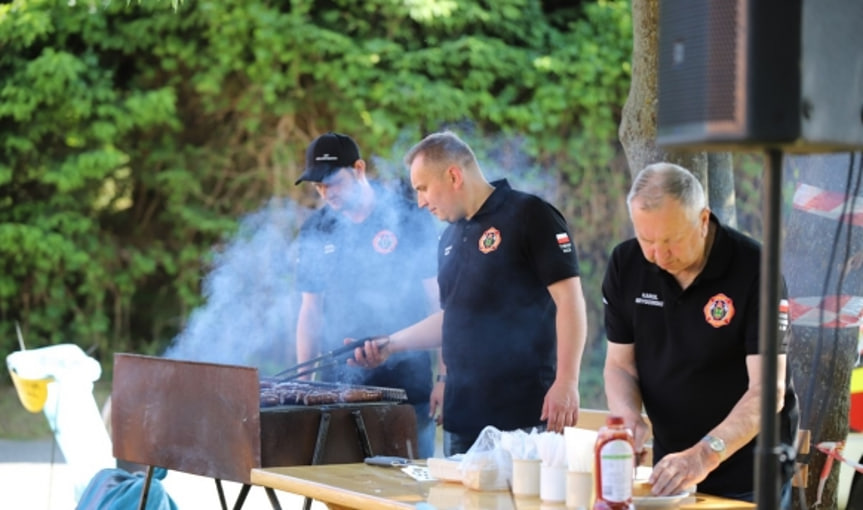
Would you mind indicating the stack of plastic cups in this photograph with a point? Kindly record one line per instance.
(579, 475)
(552, 471)
(525, 478)
(525, 462)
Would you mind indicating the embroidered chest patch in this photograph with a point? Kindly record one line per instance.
(719, 310)
(489, 240)
(385, 242)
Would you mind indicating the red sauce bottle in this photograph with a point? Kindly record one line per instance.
(614, 465)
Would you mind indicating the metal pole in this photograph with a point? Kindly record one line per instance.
(766, 459)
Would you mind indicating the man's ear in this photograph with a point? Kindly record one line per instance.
(455, 175)
(359, 168)
(705, 220)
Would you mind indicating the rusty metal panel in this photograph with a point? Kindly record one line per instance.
(289, 434)
(199, 418)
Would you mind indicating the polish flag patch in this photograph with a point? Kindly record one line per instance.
(563, 242)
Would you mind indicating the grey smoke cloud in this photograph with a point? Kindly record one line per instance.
(250, 308)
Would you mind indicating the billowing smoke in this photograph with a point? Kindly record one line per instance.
(250, 308)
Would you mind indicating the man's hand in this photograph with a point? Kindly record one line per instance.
(560, 407)
(679, 471)
(436, 403)
(372, 354)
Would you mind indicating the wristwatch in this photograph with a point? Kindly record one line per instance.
(716, 444)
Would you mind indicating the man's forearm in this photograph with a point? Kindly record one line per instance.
(425, 334)
(742, 423)
(308, 332)
(571, 327)
(622, 394)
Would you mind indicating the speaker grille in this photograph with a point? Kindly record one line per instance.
(698, 73)
(722, 65)
(746, 73)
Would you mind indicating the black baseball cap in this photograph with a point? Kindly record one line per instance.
(328, 153)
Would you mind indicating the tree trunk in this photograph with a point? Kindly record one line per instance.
(822, 352)
(720, 192)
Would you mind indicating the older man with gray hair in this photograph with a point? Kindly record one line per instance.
(682, 315)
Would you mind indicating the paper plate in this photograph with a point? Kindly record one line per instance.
(659, 501)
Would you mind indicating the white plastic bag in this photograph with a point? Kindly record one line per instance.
(486, 466)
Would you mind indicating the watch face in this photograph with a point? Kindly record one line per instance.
(716, 444)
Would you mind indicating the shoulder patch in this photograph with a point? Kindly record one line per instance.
(564, 242)
(783, 316)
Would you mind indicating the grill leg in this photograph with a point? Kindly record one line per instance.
(241, 497)
(221, 492)
(320, 443)
(363, 433)
(274, 501)
(321, 440)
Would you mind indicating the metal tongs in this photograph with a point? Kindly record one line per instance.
(333, 358)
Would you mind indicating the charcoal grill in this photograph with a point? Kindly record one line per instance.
(206, 419)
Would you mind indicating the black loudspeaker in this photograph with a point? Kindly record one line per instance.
(775, 73)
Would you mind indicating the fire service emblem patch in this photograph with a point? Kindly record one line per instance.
(489, 240)
(719, 310)
(385, 242)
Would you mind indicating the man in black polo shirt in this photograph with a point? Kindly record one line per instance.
(513, 323)
(366, 264)
(681, 314)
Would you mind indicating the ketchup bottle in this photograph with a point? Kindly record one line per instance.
(614, 465)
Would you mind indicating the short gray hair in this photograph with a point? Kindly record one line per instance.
(659, 181)
(442, 149)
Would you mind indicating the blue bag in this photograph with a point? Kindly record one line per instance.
(118, 489)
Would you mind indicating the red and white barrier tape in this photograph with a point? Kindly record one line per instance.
(833, 450)
(828, 204)
(806, 311)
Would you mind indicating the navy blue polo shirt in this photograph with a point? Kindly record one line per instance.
(499, 337)
(691, 346)
(370, 276)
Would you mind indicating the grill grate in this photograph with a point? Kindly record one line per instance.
(276, 393)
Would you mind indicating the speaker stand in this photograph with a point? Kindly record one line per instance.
(767, 451)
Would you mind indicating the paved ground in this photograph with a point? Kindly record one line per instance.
(36, 477)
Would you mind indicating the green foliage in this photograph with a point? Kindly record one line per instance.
(133, 134)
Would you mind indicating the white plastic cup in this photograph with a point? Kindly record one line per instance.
(525, 477)
(552, 483)
(579, 490)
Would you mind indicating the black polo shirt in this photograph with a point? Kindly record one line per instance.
(499, 338)
(370, 276)
(691, 346)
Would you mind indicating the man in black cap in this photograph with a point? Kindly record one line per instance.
(366, 266)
